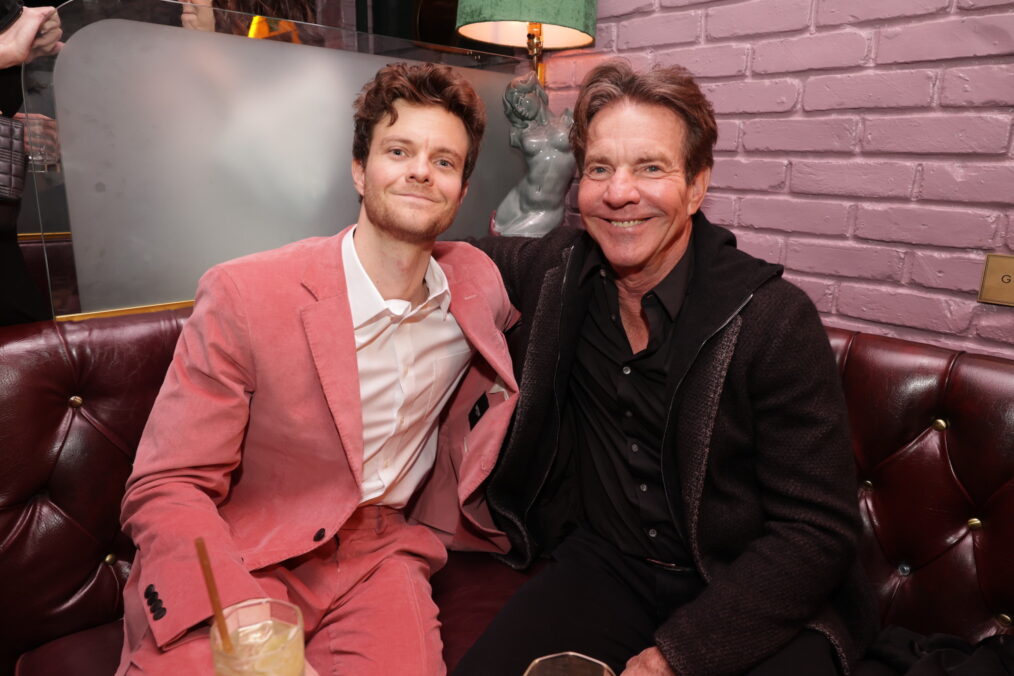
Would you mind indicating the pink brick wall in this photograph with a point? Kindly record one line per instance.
(864, 144)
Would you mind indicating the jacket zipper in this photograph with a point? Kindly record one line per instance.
(668, 417)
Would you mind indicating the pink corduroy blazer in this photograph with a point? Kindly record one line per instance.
(255, 440)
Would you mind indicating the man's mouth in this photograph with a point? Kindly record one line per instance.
(417, 196)
(629, 223)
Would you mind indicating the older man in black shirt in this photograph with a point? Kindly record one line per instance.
(680, 451)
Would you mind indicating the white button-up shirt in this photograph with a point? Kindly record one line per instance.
(410, 361)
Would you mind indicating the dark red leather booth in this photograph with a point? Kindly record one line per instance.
(933, 436)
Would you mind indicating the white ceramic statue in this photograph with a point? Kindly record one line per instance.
(536, 204)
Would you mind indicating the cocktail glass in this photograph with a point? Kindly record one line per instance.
(568, 664)
(267, 640)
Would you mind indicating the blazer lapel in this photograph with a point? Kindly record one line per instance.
(477, 322)
(328, 326)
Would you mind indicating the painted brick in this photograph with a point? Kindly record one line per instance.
(862, 179)
(966, 228)
(658, 29)
(765, 247)
(947, 271)
(560, 72)
(848, 260)
(728, 135)
(948, 39)
(710, 61)
(720, 209)
(996, 323)
(978, 86)
(763, 96)
(979, 4)
(561, 99)
(834, 12)
(749, 174)
(832, 134)
(968, 182)
(795, 215)
(757, 16)
(889, 89)
(907, 308)
(972, 133)
(611, 8)
(584, 65)
(812, 52)
(820, 291)
(605, 37)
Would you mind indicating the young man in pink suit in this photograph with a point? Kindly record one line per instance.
(331, 413)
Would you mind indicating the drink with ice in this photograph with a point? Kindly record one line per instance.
(267, 640)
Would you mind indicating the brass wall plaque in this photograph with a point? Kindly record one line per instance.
(998, 280)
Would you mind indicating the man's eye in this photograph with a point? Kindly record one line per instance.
(597, 171)
(397, 152)
(653, 168)
(445, 163)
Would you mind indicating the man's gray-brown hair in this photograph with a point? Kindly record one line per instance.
(672, 87)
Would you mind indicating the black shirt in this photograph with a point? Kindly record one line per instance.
(616, 408)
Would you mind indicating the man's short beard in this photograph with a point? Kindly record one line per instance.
(387, 222)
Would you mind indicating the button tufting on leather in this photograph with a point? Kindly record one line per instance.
(1004, 619)
(974, 524)
(110, 559)
(868, 485)
(940, 424)
(904, 569)
(75, 401)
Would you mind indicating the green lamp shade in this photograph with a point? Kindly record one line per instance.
(565, 23)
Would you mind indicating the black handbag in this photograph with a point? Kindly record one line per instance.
(12, 158)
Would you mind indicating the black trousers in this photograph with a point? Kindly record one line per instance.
(595, 600)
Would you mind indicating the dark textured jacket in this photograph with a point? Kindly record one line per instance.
(756, 450)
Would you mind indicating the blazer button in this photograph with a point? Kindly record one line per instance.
(149, 591)
(158, 614)
(319, 535)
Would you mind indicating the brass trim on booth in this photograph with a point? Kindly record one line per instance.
(139, 309)
(41, 236)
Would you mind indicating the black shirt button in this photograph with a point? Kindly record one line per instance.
(158, 614)
(319, 535)
(149, 591)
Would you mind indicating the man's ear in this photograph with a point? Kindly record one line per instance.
(464, 191)
(358, 176)
(698, 190)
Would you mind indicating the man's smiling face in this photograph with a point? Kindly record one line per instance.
(634, 196)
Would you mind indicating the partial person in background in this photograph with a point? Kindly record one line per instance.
(26, 33)
(681, 450)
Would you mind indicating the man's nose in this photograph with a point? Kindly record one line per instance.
(419, 169)
(621, 190)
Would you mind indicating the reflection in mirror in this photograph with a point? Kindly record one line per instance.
(163, 150)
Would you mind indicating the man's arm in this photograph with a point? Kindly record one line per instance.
(804, 471)
(183, 469)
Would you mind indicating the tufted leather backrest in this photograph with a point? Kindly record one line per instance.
(74, 398)
(933, 434)
(937, 498)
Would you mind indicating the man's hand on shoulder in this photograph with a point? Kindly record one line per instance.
(648, 662)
